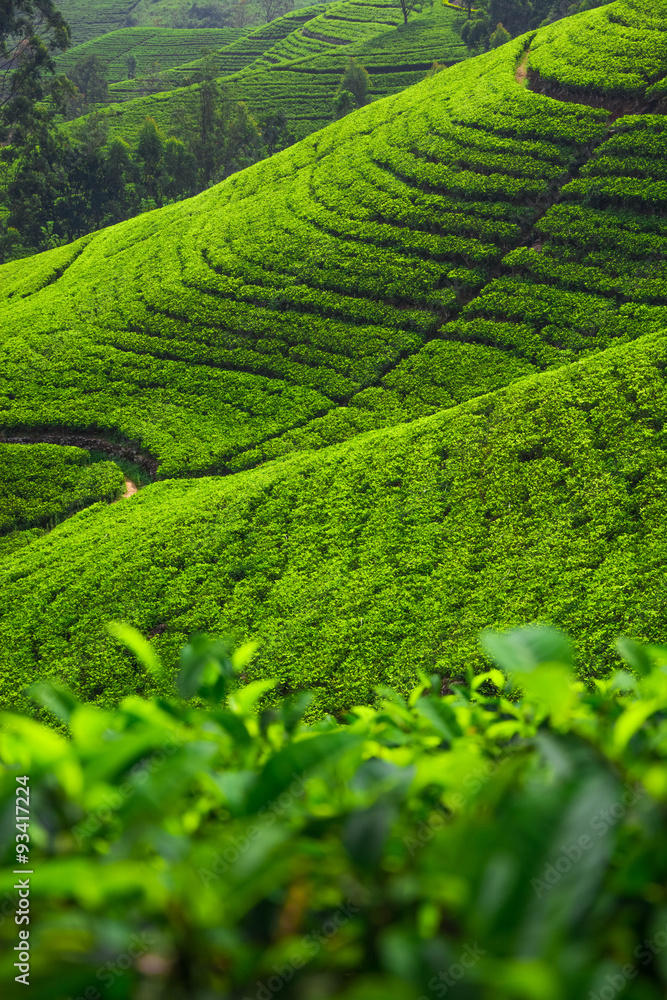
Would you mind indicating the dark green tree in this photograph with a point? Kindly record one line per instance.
(150, 151)
(410, 6)
(275, 133)
(271, 9)
(475, 32)
(37, 182)
(89, 78)
(343, 103)
(499, 37)
(119, 182)
(32, 32)
(244, 142)
(180, 168)
(356, 81)
(131, 66)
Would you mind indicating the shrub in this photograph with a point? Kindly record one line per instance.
(499, 37)
(355, 81)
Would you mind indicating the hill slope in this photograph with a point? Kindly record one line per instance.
(463, 236)
(359, 563)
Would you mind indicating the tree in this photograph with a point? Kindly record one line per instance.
(271, 9)
(31, 33)
(343, 103)
(275, 132)
(89, 78)
(409, 6)
(475, 32)
(499, 37)
(150, 149)
(180, 167)
(209, 145)
(131, 66)
(244, 144)
(122, 201)
(355, 80)
(242, 14)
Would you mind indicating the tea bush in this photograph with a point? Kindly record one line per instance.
(226, 60)
(89, 20)
(506, 843)
(618, 50)
(43, 482)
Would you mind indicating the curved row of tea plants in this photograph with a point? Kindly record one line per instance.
(618, 50)
(227, 59)
(303, 88)
(294, 65)
(356, 281)
(597, 271)
(91, 18)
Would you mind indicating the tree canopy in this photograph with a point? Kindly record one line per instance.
(31, 33)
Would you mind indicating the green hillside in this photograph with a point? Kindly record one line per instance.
(151, 47)
(295, 64)
(89, 20)
(228, 59)
(472, 252)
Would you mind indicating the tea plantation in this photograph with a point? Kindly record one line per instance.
(89, 19)
(294, 64)
(401, 382)
(304, 484)
(151, 47)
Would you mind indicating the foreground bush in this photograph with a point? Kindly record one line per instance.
(472, 843)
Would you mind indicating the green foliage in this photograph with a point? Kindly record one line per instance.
(408, 7)
(355, 81)
(343, 103)
(41, 483)
(499, 37)
(467, 235)
(31, 33)
(130, 53)
(91, 19)
(255, 339)
(510, 841)
(88, 74)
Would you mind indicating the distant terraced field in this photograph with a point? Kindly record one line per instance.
(419, 359)
(151, 47)
(228, 59)
(295, 64)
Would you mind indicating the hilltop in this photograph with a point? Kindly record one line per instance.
(431, 334)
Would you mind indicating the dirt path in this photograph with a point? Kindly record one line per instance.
(130, 489)
(521, 74)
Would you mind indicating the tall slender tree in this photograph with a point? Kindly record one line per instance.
(32, 32)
